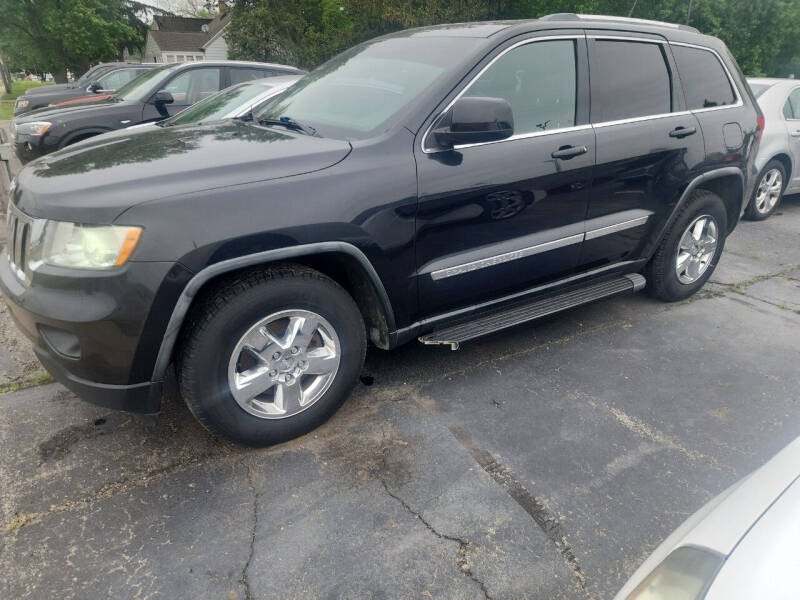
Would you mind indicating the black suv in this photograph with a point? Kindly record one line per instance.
(104, 78)
(155, 95)
(439, 183)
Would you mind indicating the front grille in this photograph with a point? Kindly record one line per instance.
(18, 241)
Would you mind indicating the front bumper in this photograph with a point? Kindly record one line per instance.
(30, 147)
(89, 329)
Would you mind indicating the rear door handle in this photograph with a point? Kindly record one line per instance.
(682, 132)
(567, 152)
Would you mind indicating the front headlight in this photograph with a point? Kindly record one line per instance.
(33, 128)
(685, 574)
(23, 103)
(78, 246)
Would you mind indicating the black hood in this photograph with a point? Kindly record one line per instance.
(96, 180)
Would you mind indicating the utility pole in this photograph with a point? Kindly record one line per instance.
(633, 8)
(689, 12)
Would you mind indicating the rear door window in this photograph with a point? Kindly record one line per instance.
(239, 75)
(705, 82)
(791, 110)
(629, 80)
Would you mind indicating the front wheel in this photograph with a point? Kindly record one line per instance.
(271, 354)
(688, 254)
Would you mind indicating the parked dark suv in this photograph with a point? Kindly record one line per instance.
(155, 95)
(440, 183)
(105, 78)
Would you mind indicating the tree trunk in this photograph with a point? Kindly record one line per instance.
(5, 75)
(60, 75)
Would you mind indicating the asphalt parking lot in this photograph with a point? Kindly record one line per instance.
(544, 462)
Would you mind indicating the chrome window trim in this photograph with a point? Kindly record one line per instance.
(505, 257)
(574, 36)
(682, 113)
(736, 92)
(626, 38)
(521, 136)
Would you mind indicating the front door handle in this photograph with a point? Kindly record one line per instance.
(795, 133)
(682, 132)
(567, 152)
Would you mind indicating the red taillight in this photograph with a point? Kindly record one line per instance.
(762, 123)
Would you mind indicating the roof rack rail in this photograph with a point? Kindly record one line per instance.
(584, 17)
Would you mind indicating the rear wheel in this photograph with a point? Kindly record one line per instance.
(688, 254)
(768, 193)
(271, 354)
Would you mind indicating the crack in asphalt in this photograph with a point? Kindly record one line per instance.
(548, 522)
(463, 544)
(248, 594)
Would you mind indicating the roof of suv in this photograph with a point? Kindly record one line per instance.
(489, 28)
(228, 63)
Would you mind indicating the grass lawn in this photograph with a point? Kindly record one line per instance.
(7, 100)
(19, 87)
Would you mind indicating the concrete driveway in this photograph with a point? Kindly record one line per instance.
(544, 462)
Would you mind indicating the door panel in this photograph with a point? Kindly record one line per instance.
(498, 217)
(647, 146)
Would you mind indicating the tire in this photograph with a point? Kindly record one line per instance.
(663, 279)
(230, 318)
(768, 193)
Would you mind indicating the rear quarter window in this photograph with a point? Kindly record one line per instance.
(705, 82)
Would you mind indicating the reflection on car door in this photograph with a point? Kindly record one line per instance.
(498, 217)
(647, 145)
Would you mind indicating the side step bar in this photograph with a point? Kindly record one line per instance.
(454, 335)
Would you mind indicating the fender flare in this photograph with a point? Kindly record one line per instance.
(693, 185)
(202, 277)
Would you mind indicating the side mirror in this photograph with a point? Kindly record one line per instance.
(475, 120)
(95, 87)
(162, 97)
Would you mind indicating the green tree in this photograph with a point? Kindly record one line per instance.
(760, 33)
(56, 35)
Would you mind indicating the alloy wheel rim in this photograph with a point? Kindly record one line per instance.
(696, 249)
(284, 363)
(769, 190)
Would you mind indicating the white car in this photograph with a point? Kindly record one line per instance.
(233, 102)
(743, 545)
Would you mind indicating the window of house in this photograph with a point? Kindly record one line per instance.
(704, 80)
(629, 80)
(539, 81)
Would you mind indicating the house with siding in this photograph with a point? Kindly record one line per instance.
(185, 39)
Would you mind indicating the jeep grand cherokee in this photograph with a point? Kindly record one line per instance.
(440, 183)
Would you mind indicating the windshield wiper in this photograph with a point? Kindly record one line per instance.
(290, 123)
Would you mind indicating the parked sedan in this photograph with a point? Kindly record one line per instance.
(744, 544)
(158, 94)
(102, 79)
(778, 157)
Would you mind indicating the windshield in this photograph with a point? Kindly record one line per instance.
(87, 77)
(759, 88)
(138, 89)
(363, 90)
(220, 105)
